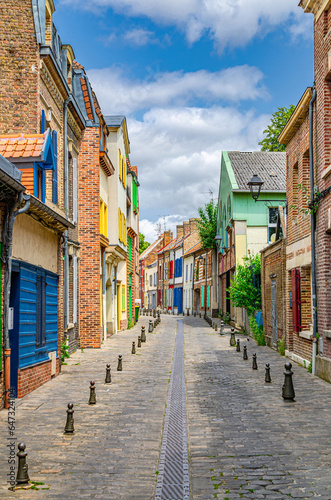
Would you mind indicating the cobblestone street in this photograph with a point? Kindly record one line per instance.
(243, 440)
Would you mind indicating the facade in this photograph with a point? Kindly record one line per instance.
(243, 224)
(190, 246)
(132, 264)
(322, 178)
(151, 275)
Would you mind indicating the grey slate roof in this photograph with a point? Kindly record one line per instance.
(114, 120)
(269, 166)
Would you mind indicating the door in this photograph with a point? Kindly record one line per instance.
(274, 312)
(14, 331)
(119, 296)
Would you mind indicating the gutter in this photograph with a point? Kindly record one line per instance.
(313, 227)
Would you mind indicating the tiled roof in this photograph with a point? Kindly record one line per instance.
(193, 249)
(269, 166)
(21, 145)
(86, 99)
(114, 120)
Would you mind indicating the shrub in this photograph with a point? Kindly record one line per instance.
(281, 346)
(257, 331)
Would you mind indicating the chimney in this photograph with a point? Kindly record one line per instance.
(186, 225)
(179, 231)
(194, 224)
(167, 237)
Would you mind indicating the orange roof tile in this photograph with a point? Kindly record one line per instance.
(21, 145)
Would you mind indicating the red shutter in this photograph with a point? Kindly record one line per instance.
(296, 302)
(171, 268)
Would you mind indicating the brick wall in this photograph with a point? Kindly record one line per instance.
(322, 34)
(273, 267)
(19, 61)
(89, 234)
(32, 377)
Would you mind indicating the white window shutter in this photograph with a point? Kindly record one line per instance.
(74, 190)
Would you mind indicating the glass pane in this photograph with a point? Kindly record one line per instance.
(273, 213)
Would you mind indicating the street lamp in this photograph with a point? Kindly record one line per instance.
(200, 258)
(255, 185)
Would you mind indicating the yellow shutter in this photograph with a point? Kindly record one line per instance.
(105, 221)
(119, 225)
(119, 164)
(101, 217)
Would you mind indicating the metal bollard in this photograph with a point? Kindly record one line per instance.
(216, 329)
(150, 326)
(93, 398)
(232, 338)
(133, 350)
(139, 341)
(69, 427)
(245, 357)
(155, 324)
(238, 345)
(267, 373)
(254, 364)
(288, 389)
(222, 328)
(120, 363)
(22, 470)
(143, 334)
(108, 375)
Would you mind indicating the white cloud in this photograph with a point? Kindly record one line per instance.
(119, 94)
(228, 22)
(178, 152)
(139, 37)
(151, 230)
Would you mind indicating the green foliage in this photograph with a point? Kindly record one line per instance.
(257, 331)
(310, 367)
(278, 122)
(243, 292)
(208, 225)
(142, 243)
(64, 351)
(281, 346)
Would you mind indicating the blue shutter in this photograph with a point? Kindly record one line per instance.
(181, 267)
(55, 184)
(51, 312)
(43, 122)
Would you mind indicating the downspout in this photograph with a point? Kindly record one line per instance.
(66, 209)
(104, 295)
(313, 227)
(7, 259)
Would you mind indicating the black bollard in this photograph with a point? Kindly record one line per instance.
(288, 389)
(150, 326)
(267, 373)
(254, 364)
(120, 363)
(195, 314)
(200, 315)
(108, 375)
(139, 341)
(22, 470)
(143, 312)
(69, 428)
(245, 357)
(133, 351)
(216, 327)
(232, 338)
(143, 334)
(155, 324)
(188, 312)
(238, 345)
(93, 398)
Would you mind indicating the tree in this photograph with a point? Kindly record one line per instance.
(207, 227)
(142, 243)
(278, 122)
(245, 290)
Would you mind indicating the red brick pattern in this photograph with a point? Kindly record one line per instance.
(32, 377)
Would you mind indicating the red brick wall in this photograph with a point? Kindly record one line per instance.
(273, 267)
(32, 377)
(19, 60)
(89, 235)
(323, 112)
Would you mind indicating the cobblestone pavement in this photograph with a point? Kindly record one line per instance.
(244, 441)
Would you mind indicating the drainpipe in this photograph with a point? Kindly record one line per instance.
(313, 227)
(104, 295)
(66, 209)
(6, 257)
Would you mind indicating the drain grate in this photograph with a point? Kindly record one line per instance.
(173, 479)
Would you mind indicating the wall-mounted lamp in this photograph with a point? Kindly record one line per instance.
(255, 185)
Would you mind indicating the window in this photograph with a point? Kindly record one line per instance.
(191, 271)
(75, 289)
(55, 186)
(150, 280)
(186, 272)
(154, 279)
(40, 313)
(74, 189)
(272, 221)
(296, 300)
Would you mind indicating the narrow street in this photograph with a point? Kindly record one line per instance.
(238, 437)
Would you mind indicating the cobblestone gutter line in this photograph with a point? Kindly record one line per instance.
(173, 478)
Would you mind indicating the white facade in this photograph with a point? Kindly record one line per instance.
(188, 270)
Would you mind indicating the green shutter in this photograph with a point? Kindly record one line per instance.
(130, 295)
(208, 296)
(130, 248)
(202, 295)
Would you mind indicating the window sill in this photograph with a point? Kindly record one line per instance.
(305, 334)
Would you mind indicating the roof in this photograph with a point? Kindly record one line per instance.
(114, 120)
(10, 178)
(297, 117)
(150, 248)
(195, 248)
(22, 145)
(269, 166)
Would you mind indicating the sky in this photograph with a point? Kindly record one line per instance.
(193, 78)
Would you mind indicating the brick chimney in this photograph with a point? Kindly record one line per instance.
(179, 231)
(186, 225)
(167, 237)
(193, 224)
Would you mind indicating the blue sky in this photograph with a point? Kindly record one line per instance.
(193, 77)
